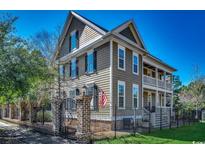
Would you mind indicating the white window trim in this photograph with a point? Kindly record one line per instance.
(135, 86)
(89, 53)
(133, 55)
(121, 83)
(74, 31)
(118, 57)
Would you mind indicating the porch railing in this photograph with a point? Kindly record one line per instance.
(168, 86)
(150, 81)
(161, 84)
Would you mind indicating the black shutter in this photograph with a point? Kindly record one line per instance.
(86, 62)
(70, 68)
(77, 68)
(69, 44)
(77, 39)
(95, 60)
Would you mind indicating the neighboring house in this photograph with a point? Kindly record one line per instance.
(118, 63)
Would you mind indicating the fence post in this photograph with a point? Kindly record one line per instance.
(149, 119)
(134, 120)
(170, 118)
(43, 115)
(177, 116)
(84, 118)
(189, 118)
(183, 117)
(115, 120)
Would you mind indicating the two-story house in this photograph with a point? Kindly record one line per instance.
(135, 82)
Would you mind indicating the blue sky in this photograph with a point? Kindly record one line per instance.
(176, 37)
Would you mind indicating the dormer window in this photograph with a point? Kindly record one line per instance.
(73, 40)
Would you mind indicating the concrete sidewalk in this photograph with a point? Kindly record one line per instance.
(13, 134)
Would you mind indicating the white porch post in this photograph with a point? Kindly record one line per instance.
(157, 96)
(165, 98)
(165, 85)
(172, 100)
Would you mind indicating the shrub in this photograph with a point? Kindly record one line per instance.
(47, 116)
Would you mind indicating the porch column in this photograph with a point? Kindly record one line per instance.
(165, 98)
(165, 85)
(157, 96)
(172, 100)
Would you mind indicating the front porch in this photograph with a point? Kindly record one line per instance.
(157, 107)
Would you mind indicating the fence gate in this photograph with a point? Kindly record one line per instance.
(67, 108)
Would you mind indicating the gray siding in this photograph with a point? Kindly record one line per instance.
(101, 77)
(127, 33)
(129, 79)
(86, 34)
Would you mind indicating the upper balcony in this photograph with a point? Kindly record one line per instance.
(156, 77)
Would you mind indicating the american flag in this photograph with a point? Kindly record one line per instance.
(102, 98)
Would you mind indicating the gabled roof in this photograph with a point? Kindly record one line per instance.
(72, 14)
(105, 33)
(126, 24)
(84, 20)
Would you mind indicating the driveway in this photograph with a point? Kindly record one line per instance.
(14, 134)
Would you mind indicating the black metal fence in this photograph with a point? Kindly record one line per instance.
(158, 119)
(43, 114)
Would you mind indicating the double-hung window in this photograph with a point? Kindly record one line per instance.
(73, 40)
(73, 68)
(121, 94)
(135, 95)
(90, 62)
(121, 58)
(135, 63)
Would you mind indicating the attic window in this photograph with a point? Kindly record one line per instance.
(73, 40)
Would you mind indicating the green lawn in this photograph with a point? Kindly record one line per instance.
(182, 135)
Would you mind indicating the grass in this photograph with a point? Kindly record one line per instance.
(182, 135)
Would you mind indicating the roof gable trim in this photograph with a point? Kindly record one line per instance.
(130, 24)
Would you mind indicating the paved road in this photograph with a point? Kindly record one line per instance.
(14, 134)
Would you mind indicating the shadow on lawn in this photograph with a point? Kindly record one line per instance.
(195, 132)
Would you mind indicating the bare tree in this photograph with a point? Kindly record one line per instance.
(46, 41)
(193, 95)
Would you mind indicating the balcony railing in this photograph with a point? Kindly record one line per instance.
(161, 84)
(147, 80)
(168, 86)
(150, 81)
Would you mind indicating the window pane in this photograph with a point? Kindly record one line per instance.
(121, 53)
(121, 90)
(135, 102)
(135, 63)
(121, 102)
(121, 63)
(135, 95)
(73, 69)
(61, 70)
(73, 41)
(135, 60)
(135, 68)
(90, 63)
